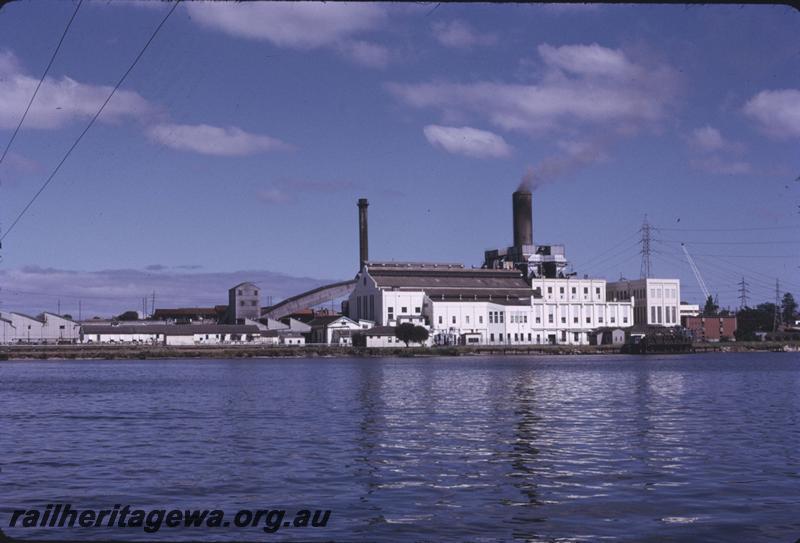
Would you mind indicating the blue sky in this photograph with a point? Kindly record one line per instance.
(242, 139)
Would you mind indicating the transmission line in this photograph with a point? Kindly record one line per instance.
(752, 229)
(39, 84)
(91, 122)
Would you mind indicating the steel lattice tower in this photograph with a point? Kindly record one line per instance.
(646, 263)
(743, 292)
(776, 320)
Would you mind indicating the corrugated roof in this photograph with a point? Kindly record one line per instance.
(185, 311)
(372, 264)
(380, 331)
(450, 278)
(40, 321)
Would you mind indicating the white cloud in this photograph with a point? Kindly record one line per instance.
(273, 196)
(615, 94)
(592, 60)
(214, 140)
(583, 151)
(467, 141)
(707, 138)
(9, 63)
(15, 162)
(298, 25)
(716, 165)
(458, 34)
(778, 112)
(32, 289)
(365, 53)
(60, 101)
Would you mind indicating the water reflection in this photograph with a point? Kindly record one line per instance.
(507, 449)
(527, 432)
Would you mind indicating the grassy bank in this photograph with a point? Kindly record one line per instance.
(144, 352)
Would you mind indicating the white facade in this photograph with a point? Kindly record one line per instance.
(46, 328)
(378, 340)
(8, 332)
(656, 301)
(336, 330)
(121, 336)
(390, 306)
(689, 310)
(540, 322)
(172, 334)
(57, 328)
(293, 340)
(567, 311)
(27, 329)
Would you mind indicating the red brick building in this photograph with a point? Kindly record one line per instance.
(710, 328)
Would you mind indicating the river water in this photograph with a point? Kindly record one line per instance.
(585, 448)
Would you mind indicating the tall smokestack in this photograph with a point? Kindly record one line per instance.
(523, 217)
(363, 234)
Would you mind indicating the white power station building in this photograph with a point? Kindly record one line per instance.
(484, 306)
(521, 294)
(657, 302)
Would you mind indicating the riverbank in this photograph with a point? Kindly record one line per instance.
(145, 352)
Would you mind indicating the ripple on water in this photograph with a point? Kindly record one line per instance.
(480, 449)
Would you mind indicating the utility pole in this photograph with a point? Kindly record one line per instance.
(743, 292)
(59, 307)
(153, 304)
(776, 320)
(80, 311)
(646, 264)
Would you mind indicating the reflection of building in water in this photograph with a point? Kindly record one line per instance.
(367, 465)
(524, 457)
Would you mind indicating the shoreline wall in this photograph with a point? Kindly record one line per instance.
(142, 352)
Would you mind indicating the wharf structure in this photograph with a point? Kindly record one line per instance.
(521, 295)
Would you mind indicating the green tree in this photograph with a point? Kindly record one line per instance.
(711, 307)
(409, 333)
(788, 308)
(420, 335)
(754, 319)
(128, 316)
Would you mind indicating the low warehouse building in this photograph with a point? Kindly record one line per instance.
(45, 328)
(166, 334)
(711, 329)
(336, 329)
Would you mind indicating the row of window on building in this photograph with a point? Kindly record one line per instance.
(520, 317)
(573, 292)
(521, 337)
(655, 292)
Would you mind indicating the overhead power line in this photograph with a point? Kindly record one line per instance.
(91, 122)
(770, 242)
(753, 229)
(41, 80)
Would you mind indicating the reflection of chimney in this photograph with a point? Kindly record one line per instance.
(363, 238)
(523, 217)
